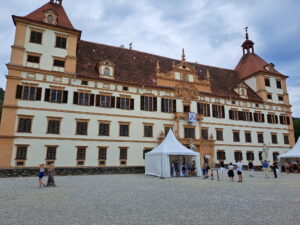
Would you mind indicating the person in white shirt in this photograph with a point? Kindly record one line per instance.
(239, 168)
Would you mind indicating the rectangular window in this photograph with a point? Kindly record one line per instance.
(21, 153)
(51, 153)
(58, 63)
(148, 103)
(125, 103)
(36, 37)
(284, 120)
(238, 156)
(219, 134)
(61, 42)
(25, 125)
(167, 128)
(203, 109)
(186, 108)
(221, 155)
(274, 138)
(189, 132)
(124, 130)
(218, 111)
(259, 117)
(148, 130)
(267, 82)
(56, 95)
(204, 133)
(248, 137)
(286, 139)
(105, 101)
(168, 105)
(245, 116)
(81, 153)
(278, 84)
(82, 98)
(31, 93)
(123, 153)
(104, 129)
(81, 128)
(272, 118)
(269, 96)
(260, 137)
(102, 153)
(250, 156)
(53, 126)
(145, 151)
(33, 59)
(233, 114)
(280, 98)
(236, 136)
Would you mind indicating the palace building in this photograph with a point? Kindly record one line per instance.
(76, 103)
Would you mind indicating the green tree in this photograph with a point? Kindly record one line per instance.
(296, 122)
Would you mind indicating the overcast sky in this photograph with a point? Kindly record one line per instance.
(210, 31)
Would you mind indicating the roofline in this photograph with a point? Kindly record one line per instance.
(23, 19)
(260, 71)
(192, 63)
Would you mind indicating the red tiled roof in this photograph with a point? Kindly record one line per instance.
(251, 63)
(62, 18)
(134, 67)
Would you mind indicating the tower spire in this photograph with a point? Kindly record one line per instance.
(183, 55)
(247, 36)
(247, 44)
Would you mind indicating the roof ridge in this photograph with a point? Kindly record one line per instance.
(193, 63)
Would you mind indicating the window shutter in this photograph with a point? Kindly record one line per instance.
(38, 94)
(198, 108)
(174, 105)
(255, 117)
(269, 118)
(92, 100)
(154, 104)
(65, 96)
(118, 103)
(208, 109)
(263, 117)
(281, 119)
(19, 91)
(75, 98)
(223, 112)
(132, 104)
(288, 120)
(112, 102)
(97, 100)
(250, 115)
(276, 119)
(230, 114)
(162, 104)
(142, 102)
(47, 95)
(240, 113)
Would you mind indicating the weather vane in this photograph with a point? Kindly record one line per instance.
(246, 29)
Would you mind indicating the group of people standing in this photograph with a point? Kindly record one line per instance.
(187, 168)
(291, 167)
(50, 173)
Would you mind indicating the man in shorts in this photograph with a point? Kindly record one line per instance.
(239, 169)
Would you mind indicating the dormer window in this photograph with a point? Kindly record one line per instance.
(106, 69)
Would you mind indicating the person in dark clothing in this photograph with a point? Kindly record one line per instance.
(275, 168)
(250, 167)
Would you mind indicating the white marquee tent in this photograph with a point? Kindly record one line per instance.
(157, 162)
(294, 153)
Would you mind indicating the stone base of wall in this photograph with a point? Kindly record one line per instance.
(64, 171)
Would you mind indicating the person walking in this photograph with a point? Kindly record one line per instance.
(239, 169)
(222, 170)
(275, 169)
(230, 172)
(41, 175)
(50, 181)
(250, 167)
(266, 168)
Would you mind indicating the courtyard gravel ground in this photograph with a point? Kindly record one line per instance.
(140, 200)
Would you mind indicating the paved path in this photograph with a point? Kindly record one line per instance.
(140, 199)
